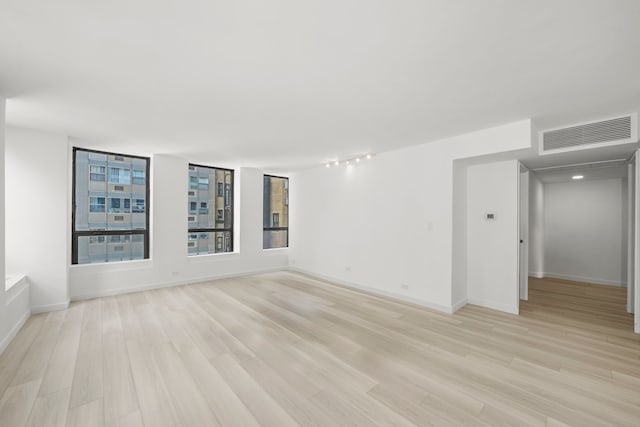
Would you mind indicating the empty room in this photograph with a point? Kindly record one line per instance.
(323, 213)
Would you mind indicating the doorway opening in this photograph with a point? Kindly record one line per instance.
(577, 250)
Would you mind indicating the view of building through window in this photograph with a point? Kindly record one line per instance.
(210, 210)
(275, 212)
(110, 215)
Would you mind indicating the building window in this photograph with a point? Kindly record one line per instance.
(97, 173)
(138, 206)
(110, 219)
(96, 204)
(275, 213)
(212, 232)
(119, 176)
(138, 177)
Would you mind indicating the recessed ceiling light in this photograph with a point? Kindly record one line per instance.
(328, 165)
(336, 163)
(358, 160)
(369, 156)
(577, 177)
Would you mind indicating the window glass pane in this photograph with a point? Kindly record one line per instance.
(275, 214)
(275, 239)
(276, 201)
(94, 249)
(110, 194)
(209, 242)
(210, 207)
(109, 203)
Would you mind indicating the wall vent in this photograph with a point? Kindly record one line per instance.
(614, 131)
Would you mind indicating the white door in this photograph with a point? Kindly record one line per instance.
(523, 219)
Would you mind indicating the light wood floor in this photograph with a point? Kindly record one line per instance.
(281, 349)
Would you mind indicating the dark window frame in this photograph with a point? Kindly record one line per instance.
(76, 234)
(288, 215)
(231, 205)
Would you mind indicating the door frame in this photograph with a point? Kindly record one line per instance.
(523, 233)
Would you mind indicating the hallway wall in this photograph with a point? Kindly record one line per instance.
(585, 231)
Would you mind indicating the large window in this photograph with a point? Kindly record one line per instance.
(210, 210)
(110, 216)
(275, 213)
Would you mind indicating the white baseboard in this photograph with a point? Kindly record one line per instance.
(536, 274)
(14, 331)
(585, 279)
(494, 305)
(457, 306)
(50, 307)
(148, 287)
(375, 291)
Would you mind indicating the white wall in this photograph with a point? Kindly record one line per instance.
(459, 262)
(536, 226)
(14, 302)
(169, 264)
(387, 224)
(492, 245)
(37, 214)
(4, 322)
(584, 231)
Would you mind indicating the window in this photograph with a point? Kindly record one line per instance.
(109, 215)
(138, 206)
(119, 176)
(212, 230)
(97, 173)
(138, 177)
(275, 213)
(203, 183)
(193, 182)
(96, 204)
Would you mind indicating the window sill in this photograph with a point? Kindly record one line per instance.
(15, 281)
(119, 265)
(275, 251)
(212, 257)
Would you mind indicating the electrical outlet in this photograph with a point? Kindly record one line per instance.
(347, 268)
(404, 286)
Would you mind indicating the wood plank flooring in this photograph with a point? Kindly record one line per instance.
(282, 349)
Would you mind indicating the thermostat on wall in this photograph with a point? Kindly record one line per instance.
(490, 216)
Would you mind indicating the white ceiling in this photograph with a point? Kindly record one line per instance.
(589, 171)
(284, 84)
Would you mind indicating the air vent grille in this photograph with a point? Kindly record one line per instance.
(613, 131)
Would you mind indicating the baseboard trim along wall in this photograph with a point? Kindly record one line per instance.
(14, 331)
(148, 287)
(494, 305)
(457, 306)
(50, 307)
(536, 274)
(376, 292)
(584, 279)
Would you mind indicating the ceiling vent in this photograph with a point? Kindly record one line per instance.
(618, 130)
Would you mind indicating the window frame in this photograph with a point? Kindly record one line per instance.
(289, 214)
(76, 234)
(198, 230)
